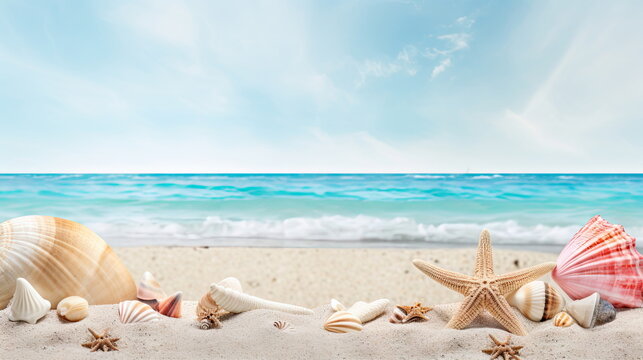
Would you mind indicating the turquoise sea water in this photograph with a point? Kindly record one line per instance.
(407, 210)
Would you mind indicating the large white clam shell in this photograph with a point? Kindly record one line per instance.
(27, 305)
(236, 302)
(60, 258)
(537, 300)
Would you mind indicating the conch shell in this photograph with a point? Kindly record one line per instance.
(591, 311)
(601, 258)
(27, 304)
(73, 308)
(236, 302)
(537, 300)
(60, 258)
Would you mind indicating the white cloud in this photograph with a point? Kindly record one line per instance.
(465, 21)
(444, 64)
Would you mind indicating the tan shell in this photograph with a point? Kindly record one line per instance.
(60, 258)
(563, 319)
(73, 308)
(343, 322)
(537, 300)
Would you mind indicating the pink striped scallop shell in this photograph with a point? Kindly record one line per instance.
(602, 258)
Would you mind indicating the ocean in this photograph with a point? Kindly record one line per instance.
(522, 211)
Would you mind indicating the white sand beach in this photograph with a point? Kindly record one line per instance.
(310, 277)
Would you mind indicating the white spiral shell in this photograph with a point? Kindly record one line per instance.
(366, 312)
(237, 302)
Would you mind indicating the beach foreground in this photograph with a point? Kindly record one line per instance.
(251, 335)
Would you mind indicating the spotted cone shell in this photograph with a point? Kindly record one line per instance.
(60, 258)
(602, 258)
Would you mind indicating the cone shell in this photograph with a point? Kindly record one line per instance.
(602, 258)
(27, 304)
(237, 302)
(397, 316)
(591, 311)
(149, 289)
(537, 300)
(73, 308)
(60, 258)
(343, 322)
(366, 312)
(133, 311)
(563, 319)
(171, 306)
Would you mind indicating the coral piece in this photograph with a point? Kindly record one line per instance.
(343, 322)
(537, 300)
(101, 341)
(602, 258)
(60, 258)
(171, 306)
(133, 311)
(237, 302)
(415, 312)
(563, 319)
(73, 308)
(27, 304)
(485, 290)
(503, 348)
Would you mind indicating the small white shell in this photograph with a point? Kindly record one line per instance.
(397, 316)
(237, 302)
(336, 305)
(73, 308)
(562, 319)
(27, 305)
(343, 322)
(133, 311)
(366, 312)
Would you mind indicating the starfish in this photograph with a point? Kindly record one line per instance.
(415, 312)
(210, 318)
(503, 348)
(101, 341)
(485, 290)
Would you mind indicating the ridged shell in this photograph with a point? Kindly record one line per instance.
(343, 322)
(73, 308)
(149, 289)
(282, 325)
(27, 305)
(237, 302)
(134, 311)
(563, 319)
(171, 305)
(397, 316)
(366, 312)
(591, 311)
(60, 258)
(602, 258)
(231, 283)
(537, 300)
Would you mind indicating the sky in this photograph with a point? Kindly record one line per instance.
(326, 86)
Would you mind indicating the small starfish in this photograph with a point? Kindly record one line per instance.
(503, 348)
(101, 341)
(414, 312)
(485, 289)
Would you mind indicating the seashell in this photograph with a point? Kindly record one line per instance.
(563, 319)
(205, 324)
(149, 290)
(171, 306)
(537, 300)
(366, 312)
(336, 305)
(591, 311)
(236, 302)
(133, 311)
(601, 258)
(73, 308)
(27, 305)
(282, 325)
(206, 305)
(343, 322)
(397, 316)
(231, 283)
(60, 258)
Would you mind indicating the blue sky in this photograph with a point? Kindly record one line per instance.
(327, 86)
